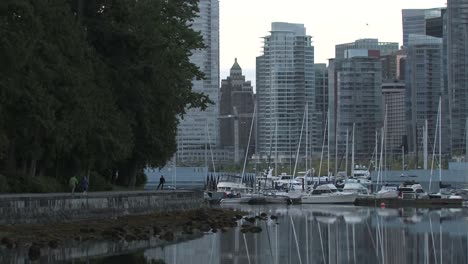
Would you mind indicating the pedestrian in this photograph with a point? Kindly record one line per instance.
(84, 184)
(73, 182)
(161, 182)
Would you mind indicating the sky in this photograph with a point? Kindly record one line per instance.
(244, 22)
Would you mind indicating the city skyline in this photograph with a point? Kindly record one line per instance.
(243, 23)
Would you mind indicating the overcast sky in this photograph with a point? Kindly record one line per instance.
(329, 22)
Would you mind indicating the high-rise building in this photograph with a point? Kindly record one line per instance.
(285, 90)
(457, 61)
(236, 111)
(393, 66)
(424, 89)
(422, 22)
(393, 94)
(321, 102)
(355, 97)
(384, 48)
(198, 131)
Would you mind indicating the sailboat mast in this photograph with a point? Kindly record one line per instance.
(466, 140)
(323, 146)
(307, 137)
(440, 140)
(425, 144)
(346, 163)
(328, 144)
(248, 143)
(352, 153)
(276, 147)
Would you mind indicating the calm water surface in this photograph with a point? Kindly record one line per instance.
(326, 234)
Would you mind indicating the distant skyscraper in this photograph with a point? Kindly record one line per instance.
(355, 96)
(384, 48)
(393, 66)
(321, 102)
(457, 52)
(285, 83)
(394, 100)
(422, 22)
(393, 92)
(424, 88)
(236, 110)
(198, 130)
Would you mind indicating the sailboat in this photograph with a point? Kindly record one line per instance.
(441, 194)
(249, 196)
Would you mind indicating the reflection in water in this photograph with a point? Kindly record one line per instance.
(330, 234)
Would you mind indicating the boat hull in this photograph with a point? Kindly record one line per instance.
(419, 203)
(341, 198)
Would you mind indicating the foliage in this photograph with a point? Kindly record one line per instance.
(94, 85)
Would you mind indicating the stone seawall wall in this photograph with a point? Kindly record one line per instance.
(65, 207)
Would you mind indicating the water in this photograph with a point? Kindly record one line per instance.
(325, 234)
(301, 234)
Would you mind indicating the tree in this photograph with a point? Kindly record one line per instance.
(146, 45)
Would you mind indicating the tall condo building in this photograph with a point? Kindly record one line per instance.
(285, 94)
(236, 109)
(198, 131)
(355, 97)
(422, 22)
(424, 89)
(457, 53)
(321, 102)
(393, 94)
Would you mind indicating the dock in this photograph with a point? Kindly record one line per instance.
(417, 203)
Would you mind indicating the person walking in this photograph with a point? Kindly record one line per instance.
(84, 184)
(73, 182)
(161, 182)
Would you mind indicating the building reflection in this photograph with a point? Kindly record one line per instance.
(333, 234)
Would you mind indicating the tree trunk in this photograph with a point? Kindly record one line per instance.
(32, 168)
(132, 174)
(11, 158)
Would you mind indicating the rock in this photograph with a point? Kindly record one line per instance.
(87, 230)
(205, 228)
(273, 217)
(245, 230)
(263, 215)
(224, 230)
(156, 230)
(34, 252)
(53, 243)
(251, 219)
(168, 236)
(8, 242)
(238, 217)
(255, 229)
(214, 230)
(130, 237)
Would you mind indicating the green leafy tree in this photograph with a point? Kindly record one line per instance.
(147, 45)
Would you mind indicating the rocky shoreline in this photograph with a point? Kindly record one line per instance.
(168, 227)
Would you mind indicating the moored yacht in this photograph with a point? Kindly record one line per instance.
(328, 194)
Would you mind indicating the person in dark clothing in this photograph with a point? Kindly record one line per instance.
(161, 182)
(84, 184)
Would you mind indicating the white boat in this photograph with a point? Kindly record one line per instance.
(232, 184)
(236, 200)
(358, 188)
(328, 194)
(387, 191)
(361, 172)
(257, 198)
(286, 182)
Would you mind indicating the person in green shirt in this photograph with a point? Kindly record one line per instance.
(73, 182)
